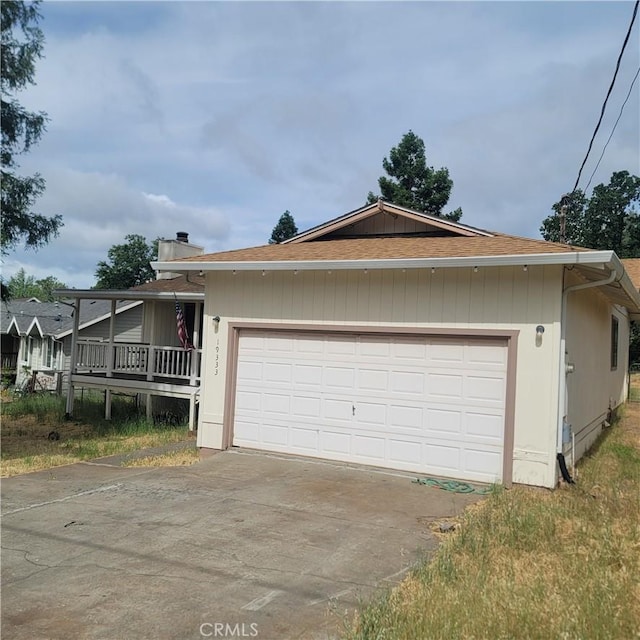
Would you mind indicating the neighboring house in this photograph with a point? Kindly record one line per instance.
(37, 336)
(392, 338)
(153, 364)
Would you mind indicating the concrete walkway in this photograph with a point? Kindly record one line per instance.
(284, 546)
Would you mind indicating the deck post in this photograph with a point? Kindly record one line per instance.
(192, 411)
(151, 337)
(112, 325)
(73, 363)
(107, 404)
(149, 408)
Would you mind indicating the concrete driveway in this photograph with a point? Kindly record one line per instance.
(239, 545)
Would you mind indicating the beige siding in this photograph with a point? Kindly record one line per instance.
(594, 387)
(508, 298)
(128, 327)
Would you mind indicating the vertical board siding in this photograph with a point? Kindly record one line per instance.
(491, 298)
(594, 386)
(128, 327)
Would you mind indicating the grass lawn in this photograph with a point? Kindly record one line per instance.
(34, 434)
(532, 563)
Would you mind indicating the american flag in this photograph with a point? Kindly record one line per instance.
(183, 334)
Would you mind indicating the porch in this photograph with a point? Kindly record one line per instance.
(152, 367)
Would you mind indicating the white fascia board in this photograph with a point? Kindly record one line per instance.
(36, 324)
(603, 258)
(13, 323)
(106, 294)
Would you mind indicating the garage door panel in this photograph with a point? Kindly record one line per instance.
(369, 447)
(423, 404)
(306, 406)
(442, 458)
(372, 380)
(444, 420)
(442, 385)
(406, 418)
(370, 413)
(484, 425)
(480, 462)
(409, 351)
(374, 347)
(307, 440)
(275, 434)
(405, 452)
(407, 382)
(307, 375)
(276, 403)
(249, 370)
(484, 389)
(277, 372)
(339, 377)
(335, 442)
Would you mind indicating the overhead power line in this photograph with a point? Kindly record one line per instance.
(604, 104)
(614, 128)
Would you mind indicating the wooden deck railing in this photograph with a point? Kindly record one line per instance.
(9, 361)
(140, 359)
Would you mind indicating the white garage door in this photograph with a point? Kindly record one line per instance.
(428, 404)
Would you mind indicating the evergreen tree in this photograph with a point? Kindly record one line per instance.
(285, 229)
(412, 183)
(22, 43)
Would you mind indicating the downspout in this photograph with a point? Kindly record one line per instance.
(563, 400)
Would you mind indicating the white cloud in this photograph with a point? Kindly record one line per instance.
(213, 118)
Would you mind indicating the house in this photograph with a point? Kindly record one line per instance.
(392, 338)
(37, 336)
(153, 364)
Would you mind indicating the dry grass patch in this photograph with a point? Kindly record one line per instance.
(170, 459)
(532, 563)
(34, 434)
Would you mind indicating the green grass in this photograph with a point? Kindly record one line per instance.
(27, 423)
(532, 563)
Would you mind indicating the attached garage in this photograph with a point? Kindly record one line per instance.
(393, 338)
(429, 404)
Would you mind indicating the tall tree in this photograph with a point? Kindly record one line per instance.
(128, 264)
(607, 220)
(285, 229)
(20, 285)
(22, 42)
(413, 184)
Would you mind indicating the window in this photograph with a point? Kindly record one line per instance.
(46, 354)
(614, 342)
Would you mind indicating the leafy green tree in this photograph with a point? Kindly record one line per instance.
(285, 229)
(413, 184)
(128, 264)
(22, 42)
(607, 220)
(20, 285)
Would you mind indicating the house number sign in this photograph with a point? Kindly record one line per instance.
(217, 367)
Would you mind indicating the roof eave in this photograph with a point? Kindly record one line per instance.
(603, 258)
(119, 294)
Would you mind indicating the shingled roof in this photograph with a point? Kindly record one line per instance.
(389, 248)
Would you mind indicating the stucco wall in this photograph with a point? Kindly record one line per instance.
(594, 386)
(505, 297)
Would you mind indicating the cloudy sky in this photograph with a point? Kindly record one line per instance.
(215, 117)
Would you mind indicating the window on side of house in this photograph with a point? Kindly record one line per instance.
(614, 343)
(45, 354)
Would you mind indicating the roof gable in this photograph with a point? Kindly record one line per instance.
(385, 219)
